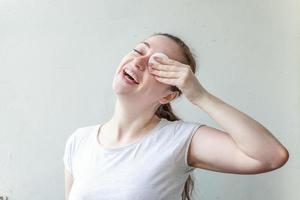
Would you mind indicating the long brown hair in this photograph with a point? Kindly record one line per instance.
(165, 110)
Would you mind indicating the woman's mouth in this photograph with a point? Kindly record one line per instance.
(127, 74)
(128, 77)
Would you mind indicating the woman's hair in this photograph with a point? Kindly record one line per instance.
(165, 110)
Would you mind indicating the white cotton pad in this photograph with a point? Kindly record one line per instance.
(152, 60)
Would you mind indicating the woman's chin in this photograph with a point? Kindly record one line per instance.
(120, 90)
(119, 87)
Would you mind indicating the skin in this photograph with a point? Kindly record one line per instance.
(244, 147)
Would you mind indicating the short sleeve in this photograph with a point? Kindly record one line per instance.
(183, 134)
(69, 153)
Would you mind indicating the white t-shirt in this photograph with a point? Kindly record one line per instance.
(152, 168)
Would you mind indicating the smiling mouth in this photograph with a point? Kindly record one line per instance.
(130, 77)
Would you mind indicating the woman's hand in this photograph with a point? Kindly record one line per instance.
(178, 74)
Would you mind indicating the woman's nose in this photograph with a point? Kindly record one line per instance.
(142, 62)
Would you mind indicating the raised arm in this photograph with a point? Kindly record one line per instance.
(245, 147)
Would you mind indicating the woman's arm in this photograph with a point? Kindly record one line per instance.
(68, 184)
(245, 147)
(249, 135)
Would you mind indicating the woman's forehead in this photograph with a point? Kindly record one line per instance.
(164, 45)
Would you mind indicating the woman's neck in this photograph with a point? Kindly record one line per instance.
(129, 123)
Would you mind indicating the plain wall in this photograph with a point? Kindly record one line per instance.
(58, 59)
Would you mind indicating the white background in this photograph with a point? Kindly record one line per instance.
(58, 59)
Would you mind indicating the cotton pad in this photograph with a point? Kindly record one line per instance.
(161, 55)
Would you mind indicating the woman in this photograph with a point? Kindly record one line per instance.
(145, 151)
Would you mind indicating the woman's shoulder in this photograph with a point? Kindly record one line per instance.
(82, 133)
(181, 127)
(180, 123)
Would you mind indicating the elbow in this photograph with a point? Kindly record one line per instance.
(282, 158)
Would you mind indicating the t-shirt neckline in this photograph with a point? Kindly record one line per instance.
(149, 133)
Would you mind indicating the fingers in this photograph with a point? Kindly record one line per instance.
(167, 71)
(166, 74)
(165, 67)
(168, 81)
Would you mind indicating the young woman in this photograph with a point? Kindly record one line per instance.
(145, 152)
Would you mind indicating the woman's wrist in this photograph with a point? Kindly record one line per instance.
(202, 98)
(209, 103)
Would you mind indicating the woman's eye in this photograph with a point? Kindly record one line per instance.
(137, 51)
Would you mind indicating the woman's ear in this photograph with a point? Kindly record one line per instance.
(169, 97)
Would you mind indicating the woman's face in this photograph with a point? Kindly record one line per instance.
(148, 89)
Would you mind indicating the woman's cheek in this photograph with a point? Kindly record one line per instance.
(124, 61)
